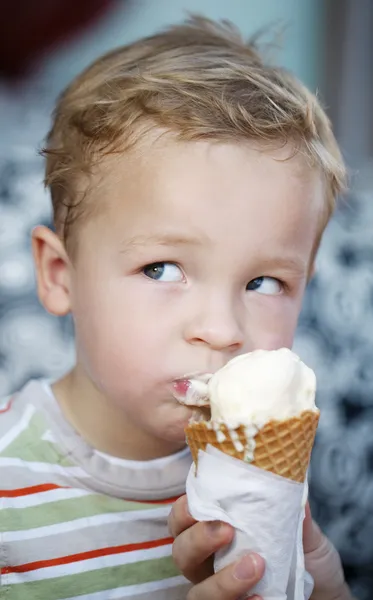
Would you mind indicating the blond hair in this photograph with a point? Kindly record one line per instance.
(199, 80)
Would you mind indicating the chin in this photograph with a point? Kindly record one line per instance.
(175, 432)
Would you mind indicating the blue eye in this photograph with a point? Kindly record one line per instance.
(163, 271)
(265, 285)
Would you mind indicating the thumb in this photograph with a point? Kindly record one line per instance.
(312, 535)
(322, 561)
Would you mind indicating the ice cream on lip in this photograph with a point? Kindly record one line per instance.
(192, 390)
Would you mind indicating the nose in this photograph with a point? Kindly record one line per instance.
(215, 323)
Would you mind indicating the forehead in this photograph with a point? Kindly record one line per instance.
(209, 186)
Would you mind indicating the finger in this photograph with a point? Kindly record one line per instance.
(193, 549)
(180, 517)
(312, 536)
(231, 582)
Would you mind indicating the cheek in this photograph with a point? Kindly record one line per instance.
(112, 340)
(123, 341)
(274, 324)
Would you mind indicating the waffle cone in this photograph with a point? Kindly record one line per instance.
(282, 447)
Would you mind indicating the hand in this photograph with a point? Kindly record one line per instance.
(323, 562)
(193, 550)
(195, 543)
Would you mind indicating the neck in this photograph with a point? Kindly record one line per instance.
(103, 425)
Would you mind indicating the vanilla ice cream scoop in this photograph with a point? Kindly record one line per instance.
(261, 386)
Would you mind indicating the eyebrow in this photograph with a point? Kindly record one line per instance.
(283, 262)
(289, 263)
(166, 239)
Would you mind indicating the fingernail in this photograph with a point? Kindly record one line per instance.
(246, 568)
(214, 527)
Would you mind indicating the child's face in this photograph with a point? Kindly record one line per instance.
(201, 253)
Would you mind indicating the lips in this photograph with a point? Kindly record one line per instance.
(181, 387)
(192, 390)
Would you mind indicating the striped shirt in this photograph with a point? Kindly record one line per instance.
(76, 523)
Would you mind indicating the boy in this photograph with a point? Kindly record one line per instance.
(191, 184)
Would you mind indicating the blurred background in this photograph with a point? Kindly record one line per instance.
(329, 45)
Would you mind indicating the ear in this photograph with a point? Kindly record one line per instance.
(52, 271)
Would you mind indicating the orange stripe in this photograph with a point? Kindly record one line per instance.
(72, 558)
(46, 487)
(8, 406)
(164, 501)
(34, 489)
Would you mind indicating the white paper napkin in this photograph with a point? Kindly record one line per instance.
(267, 512)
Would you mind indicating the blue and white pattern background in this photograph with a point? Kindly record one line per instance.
(32, 343)
(335, 337)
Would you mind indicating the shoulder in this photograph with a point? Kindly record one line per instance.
(18, 405)
(22, 420)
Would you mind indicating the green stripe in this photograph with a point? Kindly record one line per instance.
(30, 446)
(63, 511)
(108, 579)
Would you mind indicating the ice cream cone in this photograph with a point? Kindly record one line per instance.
(282, 447)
